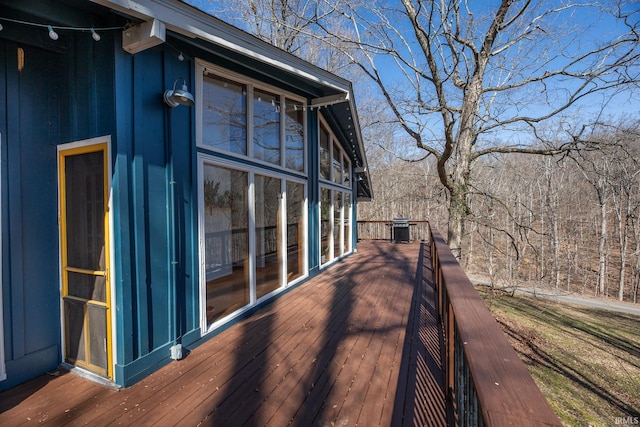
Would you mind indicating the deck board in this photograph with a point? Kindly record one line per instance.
(357, 345)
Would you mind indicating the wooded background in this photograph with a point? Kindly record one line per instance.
(512, 125)
(569, 222)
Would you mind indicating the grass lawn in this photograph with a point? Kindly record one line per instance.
(585, 361)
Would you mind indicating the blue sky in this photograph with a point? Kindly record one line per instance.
(595, 27)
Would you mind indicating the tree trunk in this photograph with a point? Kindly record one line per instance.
(602, 255)
(457, 218)
(623, 236)
(459, 181)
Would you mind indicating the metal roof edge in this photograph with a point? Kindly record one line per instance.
(185, 19)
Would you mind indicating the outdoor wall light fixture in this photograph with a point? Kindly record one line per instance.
(174, 97)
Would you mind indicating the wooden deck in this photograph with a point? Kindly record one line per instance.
(357, 345)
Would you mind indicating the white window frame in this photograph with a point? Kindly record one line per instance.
(333, 141)
(333, 187)
(252, 171)
(251, 84)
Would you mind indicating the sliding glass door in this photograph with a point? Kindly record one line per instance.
(268, 235)
(226, 241)
(253, 237)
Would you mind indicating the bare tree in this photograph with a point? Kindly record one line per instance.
(465, 80)
(635, 225)
(625, 174)
(279, 22)
(598, 170)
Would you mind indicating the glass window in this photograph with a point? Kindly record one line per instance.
(268, 254)
(346, 170)
(224, 115)
(266, 126)
(337, 223)
(325, 224)
(226, 241)
(337, 164)
(295, 230)
(347, 222)
(247, 118)
(325, 155)
(294, 138)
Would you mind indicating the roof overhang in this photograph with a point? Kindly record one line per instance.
(189, 21)
(333, 93)
(344, 117)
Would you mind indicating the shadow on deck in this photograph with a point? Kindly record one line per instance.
(358, 344)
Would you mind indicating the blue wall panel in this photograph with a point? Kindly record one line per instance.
(41, 97)
(313, 192)
(150, 203)
(123, 246)
(155, 241)
(180, 134)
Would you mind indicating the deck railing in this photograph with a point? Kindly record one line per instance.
(381, 230)
(486, 383)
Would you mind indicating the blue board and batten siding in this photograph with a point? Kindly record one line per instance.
(63, 97)
(57, 97)
(154, 215)
(76, 89)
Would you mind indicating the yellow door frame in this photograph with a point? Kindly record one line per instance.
(91, 146)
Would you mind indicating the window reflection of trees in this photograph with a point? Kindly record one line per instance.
(325, 223)
(337, 164)
(268, 254)
(224, 115)
(324, 154)
(225, 123)
(295, 229)
(226, 240)
(346, 168)
(266, 126)
(294, 141)
(337, 222)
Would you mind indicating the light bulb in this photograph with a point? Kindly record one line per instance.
(181, 57)
(95, 35)
(52, 34)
